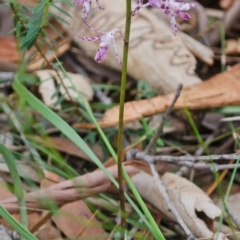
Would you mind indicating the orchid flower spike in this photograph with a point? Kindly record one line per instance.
(170, 7)
(106, 39)
(86, 7)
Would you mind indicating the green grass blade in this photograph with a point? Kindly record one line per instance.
(69, 132)
(17, 184)
(151, 224)
(16, 225)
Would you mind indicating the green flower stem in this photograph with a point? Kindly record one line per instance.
(121, 111)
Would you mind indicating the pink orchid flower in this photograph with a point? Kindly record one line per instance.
(170, 7)
(86, 7)
(106, 39)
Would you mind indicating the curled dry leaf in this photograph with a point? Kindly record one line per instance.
(70, 190)
(195, 208)
(47, 87)
(221, 90)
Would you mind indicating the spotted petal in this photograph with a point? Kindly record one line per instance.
(156, 3)
(79, 2)
(86, 9)
(99, 6)
(101, 53)
(137, 8)
(106, 39)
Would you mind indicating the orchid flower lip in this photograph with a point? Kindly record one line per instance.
(106, 39)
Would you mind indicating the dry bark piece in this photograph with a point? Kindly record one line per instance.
(220, 90)
(168, 59)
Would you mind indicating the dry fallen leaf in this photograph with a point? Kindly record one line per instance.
(70, 190)
(67, 146)
(195, 208)
(75, 219)
(221, 90)
(48, 90)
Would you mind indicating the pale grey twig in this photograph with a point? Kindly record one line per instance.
(172, 159)
(168, 202)
(188, 162)
(163, 119)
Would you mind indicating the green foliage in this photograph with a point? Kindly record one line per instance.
(16, 225)
(31, 21)
(18, 189)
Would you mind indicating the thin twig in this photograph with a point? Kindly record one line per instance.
(163, 119)
(157, 179)
(172, 159)
(170, 206)
(190, 164)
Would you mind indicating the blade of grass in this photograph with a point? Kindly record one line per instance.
(216, 174)
(150, 223)
(17, 184)
(74, 137)
(16, 225)
(69, 132)
(224, 208)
